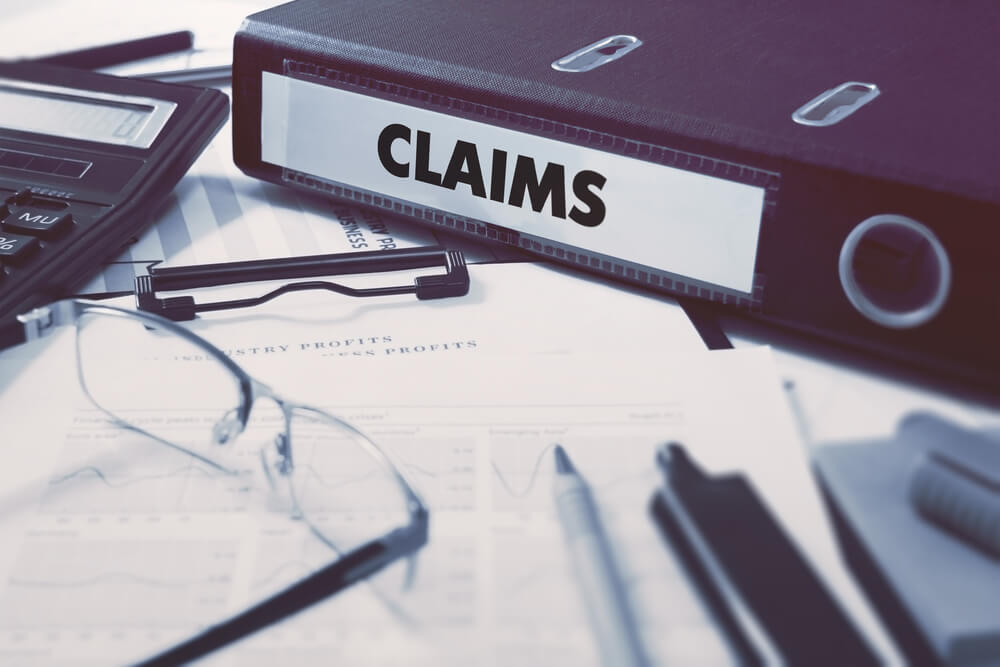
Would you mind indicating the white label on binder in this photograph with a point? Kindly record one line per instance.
(665, 218)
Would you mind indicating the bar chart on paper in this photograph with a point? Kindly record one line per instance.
(218, 214)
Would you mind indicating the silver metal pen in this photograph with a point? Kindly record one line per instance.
(602, 588)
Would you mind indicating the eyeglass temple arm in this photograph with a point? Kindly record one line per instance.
(37, 322)
(455, 281)
(347, 570)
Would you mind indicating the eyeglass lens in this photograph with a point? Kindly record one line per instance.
(152, 379)
(158, 382)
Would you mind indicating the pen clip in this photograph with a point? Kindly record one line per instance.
(454, 282)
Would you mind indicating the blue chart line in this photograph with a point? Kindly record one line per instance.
(532, 478)
(445, 485)
(96, 473)
(190, 486)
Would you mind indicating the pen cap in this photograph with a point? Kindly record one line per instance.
(677, 465)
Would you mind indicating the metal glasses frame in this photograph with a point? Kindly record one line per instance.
(351, 567)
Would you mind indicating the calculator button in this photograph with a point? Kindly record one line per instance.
(38, 221)
(14, 247)
(22, 196)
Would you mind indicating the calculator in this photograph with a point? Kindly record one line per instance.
(85, 159)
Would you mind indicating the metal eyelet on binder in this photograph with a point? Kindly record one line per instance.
(599, 53)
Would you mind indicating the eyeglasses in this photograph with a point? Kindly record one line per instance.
(312, 464)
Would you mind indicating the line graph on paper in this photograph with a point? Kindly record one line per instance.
(440, 465)
(522, 464)
(104, 469)
(78, 583)
(101, 480)
(145, 489)
(443, 468)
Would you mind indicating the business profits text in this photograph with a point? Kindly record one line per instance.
(465, 167)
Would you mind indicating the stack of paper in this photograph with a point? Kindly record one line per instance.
(115, 551)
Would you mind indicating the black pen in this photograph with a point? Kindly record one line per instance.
(122, 52)
(770, 602)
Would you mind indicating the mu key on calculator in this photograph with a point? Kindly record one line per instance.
(85, 159)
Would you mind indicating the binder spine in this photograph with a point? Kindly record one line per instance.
(595, 262)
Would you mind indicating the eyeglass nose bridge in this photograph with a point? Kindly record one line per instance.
(234, 421)
(276, 464)
(276, 454)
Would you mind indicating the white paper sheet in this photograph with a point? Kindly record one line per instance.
(839, 400)
(143, 554)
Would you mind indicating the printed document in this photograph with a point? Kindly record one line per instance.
(121, 546)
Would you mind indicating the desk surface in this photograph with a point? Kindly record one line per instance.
(838, 395)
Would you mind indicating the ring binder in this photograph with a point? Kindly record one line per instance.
(708, 188)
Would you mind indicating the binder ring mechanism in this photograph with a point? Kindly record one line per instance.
(454, 282)
(834, 105)
(599, 53)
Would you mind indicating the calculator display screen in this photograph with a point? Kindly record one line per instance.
(122, 120)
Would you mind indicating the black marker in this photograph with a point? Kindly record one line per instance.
(771, 604)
